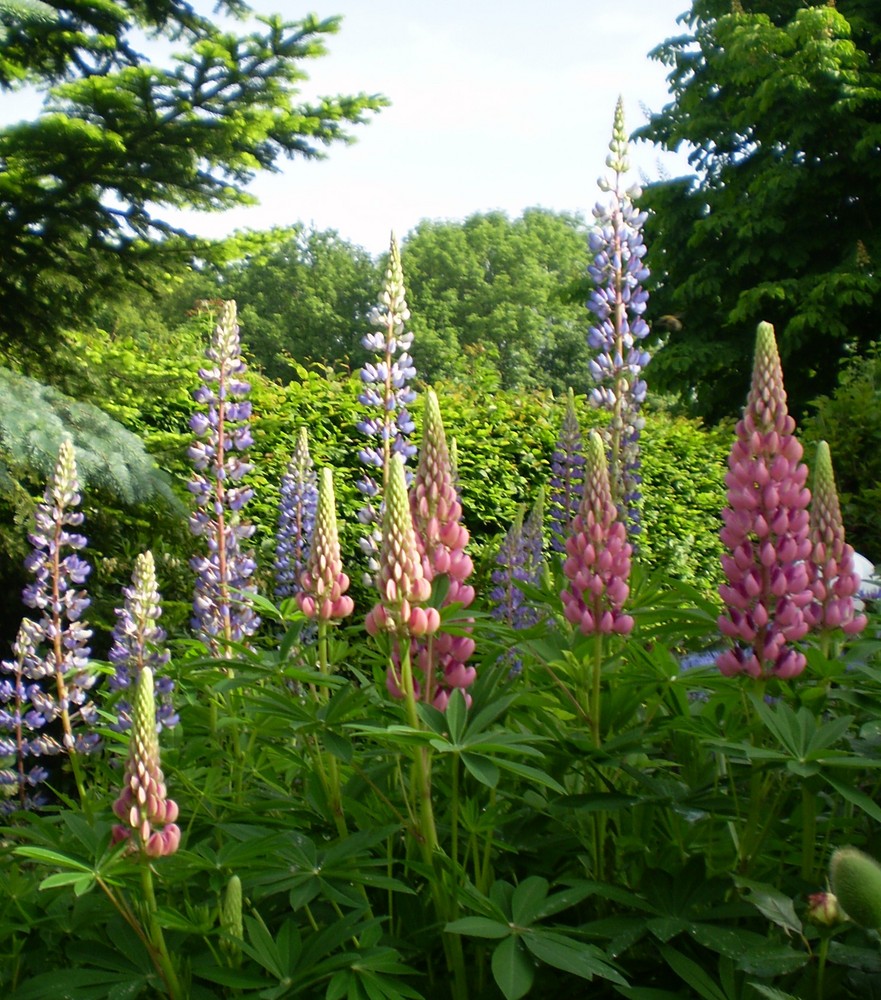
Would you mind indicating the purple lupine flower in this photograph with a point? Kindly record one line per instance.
(137, 642)
(404, 590)
(57, 594)
(598, 554)
(618, 302)
(386, 391)
(147, 814)
(24, 710)
(323, 584)
(296, 519)
(766, 531)
(442, 539)
(222, 603)
(834, 581)
(567, 476)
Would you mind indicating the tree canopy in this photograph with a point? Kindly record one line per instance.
(779, 103)
(122, 138)
(499, 285)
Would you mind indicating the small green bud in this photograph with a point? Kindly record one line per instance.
(231, 917)
(856, 882)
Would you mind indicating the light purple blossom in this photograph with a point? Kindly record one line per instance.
(296, 519)
(567, 477)
(222, 606)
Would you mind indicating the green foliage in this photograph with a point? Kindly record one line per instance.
(849, 420)
(780, 104)
(499, 285)
(121, 139)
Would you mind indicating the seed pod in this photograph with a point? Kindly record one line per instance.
(231, 917)
(856, 882)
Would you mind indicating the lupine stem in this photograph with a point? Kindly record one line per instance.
(157, 938)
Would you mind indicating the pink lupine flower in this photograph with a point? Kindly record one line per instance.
(148, 815)
(324, 583)
(598, 554)
(766, 531)
(441, 538)
(835, 581)
(404, 589)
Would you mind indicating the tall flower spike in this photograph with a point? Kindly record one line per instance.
(598, 555)
(324, 584)
(137, 643)
(567, 476)
(834, 582)
(766, 530)
(442, 540)
(296, 519)
(404, 589)
(618, 302)
(222, 602)
(24, 710)
(56, 593)
(147, 814)
(386, 390)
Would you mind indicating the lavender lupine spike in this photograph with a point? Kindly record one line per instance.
(598, 555)
(296, 519)
(323, 584)
(137, 642)
(386, 390)
(442, 540)
(147, 814)
(834, 582)
(766, 531)
(56, 592)
(567, 476)
(618, 302)
(403, 588)
(222, 603)
(24, 711)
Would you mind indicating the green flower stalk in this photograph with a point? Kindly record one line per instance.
(147, 814)
(834, 582)
(324, 583)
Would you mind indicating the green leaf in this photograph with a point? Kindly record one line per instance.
(457, 715)
(526, 899)
(572, 956)
(481, 927)
(691, 973)
(512, 969)
(52, 858)
(855, 796)
(775, 905)
(483, 769)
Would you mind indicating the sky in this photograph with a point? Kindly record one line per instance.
(495, 105)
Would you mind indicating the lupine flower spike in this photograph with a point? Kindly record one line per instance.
(442, 539)
(221, 605)
(323, 585)
(386, 389)
(57, 594)
(834, 582)
(24, 711)
(766, 531)
(137, 642)
(598, 555)
(567, 476)
(296, 519)
(404, 589)
(147, 814)
(618, 302)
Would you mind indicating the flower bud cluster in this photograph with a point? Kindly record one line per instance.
(147, 814)
(296, 519)
(834, 580)
(598, 555)
(57, 594)
(567, 476)
(404, 589)
(766, 531)
(386, 379)
(618, 302)
(441, 539)
(137, 642)
(323, 584)
(222, 606)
